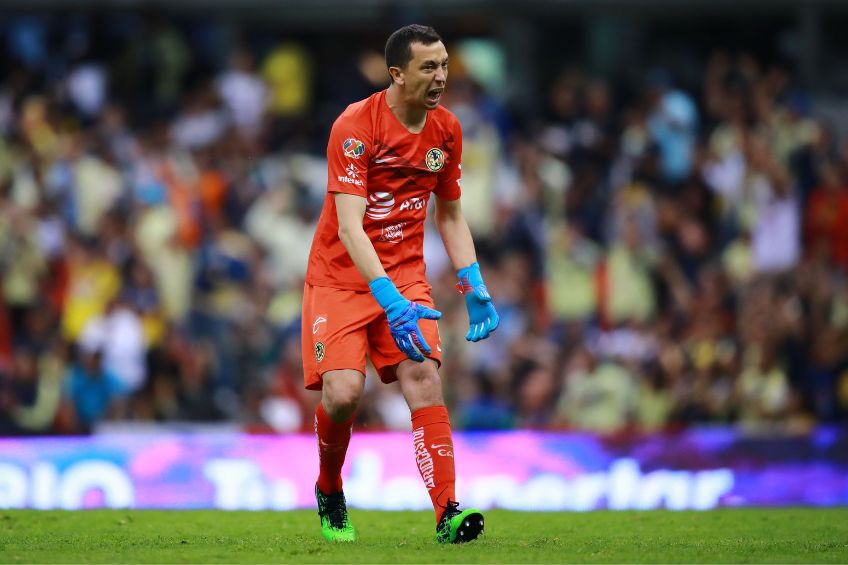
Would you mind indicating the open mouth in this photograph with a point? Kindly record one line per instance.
(434, 95)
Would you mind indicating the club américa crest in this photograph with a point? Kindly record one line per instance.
(435, 159)
(353, 148)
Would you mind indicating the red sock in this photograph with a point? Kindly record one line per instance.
(431, 437)
(333, 439)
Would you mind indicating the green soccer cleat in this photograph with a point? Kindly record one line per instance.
(335, 523)
(459, 526)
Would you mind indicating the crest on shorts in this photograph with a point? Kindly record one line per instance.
(435, 159)
(353, 148)
(319, 351)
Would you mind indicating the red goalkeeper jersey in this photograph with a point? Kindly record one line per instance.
(372, 155)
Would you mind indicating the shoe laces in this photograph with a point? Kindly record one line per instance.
(336, 510)
(451, 509)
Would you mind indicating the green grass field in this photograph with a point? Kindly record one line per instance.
(723, 536)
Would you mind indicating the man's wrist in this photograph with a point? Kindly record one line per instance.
(469, 277)
(384, 291)
(475, 266)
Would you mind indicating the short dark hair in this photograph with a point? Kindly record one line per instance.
(398, 46)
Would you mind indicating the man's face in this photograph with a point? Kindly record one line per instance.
(425, 75)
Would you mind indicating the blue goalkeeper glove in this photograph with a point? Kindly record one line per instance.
(482, 317)
(403, 316)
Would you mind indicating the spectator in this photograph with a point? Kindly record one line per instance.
(672, 124)
(244, 93)
(120, 335)
(93, 392)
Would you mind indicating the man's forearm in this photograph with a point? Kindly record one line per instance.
(362, 251)
(457, 240)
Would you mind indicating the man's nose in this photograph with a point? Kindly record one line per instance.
(441, 74)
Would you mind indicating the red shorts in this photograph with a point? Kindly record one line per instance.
(340, 327)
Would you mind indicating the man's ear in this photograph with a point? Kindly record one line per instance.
(397, 75)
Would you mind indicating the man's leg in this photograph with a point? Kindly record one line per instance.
(334, 340)
(431, 435)
(333, 420)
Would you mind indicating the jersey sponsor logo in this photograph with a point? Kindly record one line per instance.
(414, 203)
(380, 205)
(317, 323)
(319, 351)
(393, 233)
(352, 176)
(435, 159)
(353, 148)
(348, 180)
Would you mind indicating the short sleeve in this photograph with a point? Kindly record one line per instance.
(450, 178)
(348, 154)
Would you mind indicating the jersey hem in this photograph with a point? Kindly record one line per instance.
(363, 287)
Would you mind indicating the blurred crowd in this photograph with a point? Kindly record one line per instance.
(661, 254)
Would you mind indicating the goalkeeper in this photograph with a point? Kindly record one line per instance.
(366, 293)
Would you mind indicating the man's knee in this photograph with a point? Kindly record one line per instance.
(420, 383)
(341, 393)
(424, 373)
